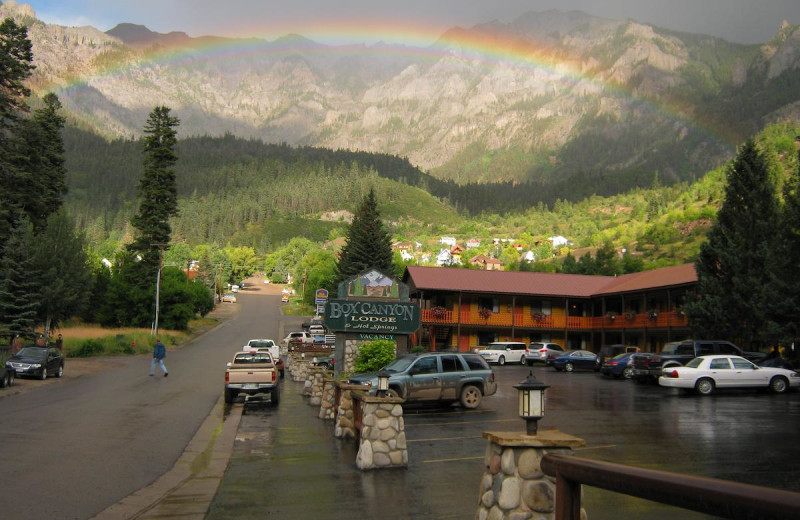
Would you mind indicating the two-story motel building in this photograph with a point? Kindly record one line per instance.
(463, 308)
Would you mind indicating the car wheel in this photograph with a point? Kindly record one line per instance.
(392, 393)
(60, 371)
(43, 375)
(11, 376)
(471, 396)
(569, 367)
(230, 395)
(705, 386)
(275, 397)
(627, 373)
(778, 385)
(501, 361)
(4, 381)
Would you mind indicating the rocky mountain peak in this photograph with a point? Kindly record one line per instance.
(140, 36)
(16, 10)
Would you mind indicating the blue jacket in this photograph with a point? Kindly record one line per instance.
(160, 352)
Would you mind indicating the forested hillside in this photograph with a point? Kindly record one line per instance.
(242, 192)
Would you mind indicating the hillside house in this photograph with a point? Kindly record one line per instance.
(484, 262)
(558, 241)
(448, 241)
(473, 243)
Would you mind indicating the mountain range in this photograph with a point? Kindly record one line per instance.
(547, 96)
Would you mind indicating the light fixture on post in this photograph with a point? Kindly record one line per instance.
(383, 382)
(531, 402)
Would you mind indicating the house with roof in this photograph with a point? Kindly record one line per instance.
(473, 243)
(484, 262)
(402, 246)
(448, 241)
(558, 241)
(444, 257)
(476, 307)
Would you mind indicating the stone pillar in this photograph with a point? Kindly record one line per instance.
(345, 425)
(327, 408)
(314, 381)
(513, 485)
(382, 438)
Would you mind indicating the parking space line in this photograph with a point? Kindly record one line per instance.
(461, 422)
(452, 460)
(445, 438)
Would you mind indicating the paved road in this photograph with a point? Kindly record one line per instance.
(76, 446)
(286, 463)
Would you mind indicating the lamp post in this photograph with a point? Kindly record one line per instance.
(383, 382)
(531, 402)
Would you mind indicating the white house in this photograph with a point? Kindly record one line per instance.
(528, 256)
(558, 241)
(406, 256)
(444, 257)
(450, 241)
(473, 243)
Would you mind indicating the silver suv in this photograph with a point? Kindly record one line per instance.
(542, 352)
(444, 377)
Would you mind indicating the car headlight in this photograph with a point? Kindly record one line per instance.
(794, 374)
(36, 365)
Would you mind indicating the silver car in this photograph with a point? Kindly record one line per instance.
(444, 377)
(542, 352)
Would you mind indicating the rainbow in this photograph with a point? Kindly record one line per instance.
(410, 40)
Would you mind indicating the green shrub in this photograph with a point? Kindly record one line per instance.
(374, 355)
(418, 349)
(89, 348)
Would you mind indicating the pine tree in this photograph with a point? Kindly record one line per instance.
(157, 190)
(731, 268)
(368, 243)
(19, 296)
(16, 65)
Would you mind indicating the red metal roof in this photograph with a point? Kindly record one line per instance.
(543, 284)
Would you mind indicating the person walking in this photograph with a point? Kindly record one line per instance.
(159, 353)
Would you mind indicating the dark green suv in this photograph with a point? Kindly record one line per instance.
(444, 377)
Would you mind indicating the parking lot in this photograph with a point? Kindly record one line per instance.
(287, 464)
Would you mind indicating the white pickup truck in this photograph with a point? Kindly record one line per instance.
(298, 338)
(252, 373)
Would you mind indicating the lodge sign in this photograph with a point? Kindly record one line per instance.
(380, 317)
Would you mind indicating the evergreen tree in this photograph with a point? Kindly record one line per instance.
(19, 288)
(65, 276)
(368, 243)
(731, 270)
(16, 60)
(157, 190)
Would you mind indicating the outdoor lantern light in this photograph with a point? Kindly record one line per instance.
(531, 402)
(383, 382)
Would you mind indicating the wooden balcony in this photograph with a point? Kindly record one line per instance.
(527, 321)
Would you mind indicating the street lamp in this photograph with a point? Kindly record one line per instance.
(531, 402)
(383, 382)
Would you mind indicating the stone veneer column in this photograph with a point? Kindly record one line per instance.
(514, 486)
(382, 439)
(345, 426)
(315, 377)
(327, 408)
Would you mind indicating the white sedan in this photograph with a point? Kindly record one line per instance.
(705, 373)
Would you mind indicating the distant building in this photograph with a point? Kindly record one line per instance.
(473, 243)
(528, 256)
(484, 262)
(558, 241)
(450, 241)
(406, 256)
(403, 246)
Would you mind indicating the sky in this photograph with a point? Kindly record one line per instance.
(368, 21)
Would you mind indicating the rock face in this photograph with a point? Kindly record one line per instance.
(534, 85)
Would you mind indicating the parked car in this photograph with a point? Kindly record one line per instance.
(572, 360)
(37, 362)
(7, 376)
(437, 377)
(298, 338)
(610, 351)
(267, 345)
(542, 352)
(285, 298)
(502, 352)
(326, 362)
(618, 366)
(229, 298)
(704, 374)
(234, 288)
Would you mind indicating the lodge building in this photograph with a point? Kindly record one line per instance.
(463, 308)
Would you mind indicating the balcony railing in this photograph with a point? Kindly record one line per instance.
(542, 321)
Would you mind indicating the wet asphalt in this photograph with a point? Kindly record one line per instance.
(286, 463)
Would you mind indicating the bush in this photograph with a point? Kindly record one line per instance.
(89, 348)
(418, 349)
(374, 355)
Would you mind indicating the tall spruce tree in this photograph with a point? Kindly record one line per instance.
(158, 192)
(731, 268)
(19, 282)
(784, 289)
(16, 64)
(368, 243)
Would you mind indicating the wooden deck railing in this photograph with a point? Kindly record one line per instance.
(528, 321)
(721, 498)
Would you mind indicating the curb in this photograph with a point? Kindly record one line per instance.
(186, 491)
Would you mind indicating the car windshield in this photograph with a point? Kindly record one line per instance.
(694, 363)
(33, 352)
(496, 346)
(670, 348)
(261, 344)
(620, 356)
(400, 364)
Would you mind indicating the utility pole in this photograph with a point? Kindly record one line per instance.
(161, 248)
